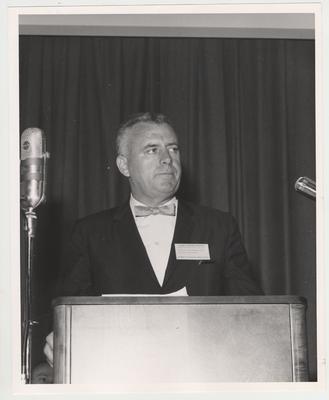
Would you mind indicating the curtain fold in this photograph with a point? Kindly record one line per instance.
(244, 113)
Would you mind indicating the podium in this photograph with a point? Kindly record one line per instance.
(179, 340)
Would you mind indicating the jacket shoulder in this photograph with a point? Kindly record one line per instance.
(100, 218)
(208, 212)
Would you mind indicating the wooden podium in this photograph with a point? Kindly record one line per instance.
(177, 340)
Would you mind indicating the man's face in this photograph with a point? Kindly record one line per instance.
(152, 163)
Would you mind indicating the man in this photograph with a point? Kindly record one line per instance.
(155, 243)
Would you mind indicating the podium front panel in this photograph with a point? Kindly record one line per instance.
(182, 340)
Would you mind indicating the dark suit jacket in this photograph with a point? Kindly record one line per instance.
(107, 255)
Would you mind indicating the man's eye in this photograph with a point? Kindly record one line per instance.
(151, 150)
(174, 149)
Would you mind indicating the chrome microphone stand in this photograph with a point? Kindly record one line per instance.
(28, 323)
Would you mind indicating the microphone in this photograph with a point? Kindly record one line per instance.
(32, 188)
(306, 186)
(33, 168)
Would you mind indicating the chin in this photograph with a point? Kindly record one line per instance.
(167, 192)
(167, 187)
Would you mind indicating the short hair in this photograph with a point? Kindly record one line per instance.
(148, 117)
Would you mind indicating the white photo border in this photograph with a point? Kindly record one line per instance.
(10, 339)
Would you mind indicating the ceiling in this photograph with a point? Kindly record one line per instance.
(257, 25)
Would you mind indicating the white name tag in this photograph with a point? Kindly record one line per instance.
(192, 251)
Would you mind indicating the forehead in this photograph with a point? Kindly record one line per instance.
(146, 132)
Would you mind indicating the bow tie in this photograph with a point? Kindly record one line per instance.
(144, 211)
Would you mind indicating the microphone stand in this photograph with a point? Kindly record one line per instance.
(30, 224)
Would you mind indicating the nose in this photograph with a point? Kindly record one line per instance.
(165, 157)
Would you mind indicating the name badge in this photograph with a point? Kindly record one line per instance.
(192, 251)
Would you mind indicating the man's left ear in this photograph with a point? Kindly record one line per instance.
(123, 165)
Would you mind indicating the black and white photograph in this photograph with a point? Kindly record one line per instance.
(168, 210)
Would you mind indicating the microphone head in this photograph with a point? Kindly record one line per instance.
(33, 168)
(306, 186)
(32, 143)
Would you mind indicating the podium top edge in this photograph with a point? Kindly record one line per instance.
(141, 300)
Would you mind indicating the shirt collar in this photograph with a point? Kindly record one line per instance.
(133, 202)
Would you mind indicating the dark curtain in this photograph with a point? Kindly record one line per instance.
(243, 110)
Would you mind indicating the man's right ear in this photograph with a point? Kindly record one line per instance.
(122, 164)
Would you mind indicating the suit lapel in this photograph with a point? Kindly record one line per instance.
(130, 238)
(185, 225)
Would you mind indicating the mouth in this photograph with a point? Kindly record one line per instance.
(164, 174)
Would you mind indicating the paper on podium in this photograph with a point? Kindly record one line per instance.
(180, 292)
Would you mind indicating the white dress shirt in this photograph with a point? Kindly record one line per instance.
(157, 233)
